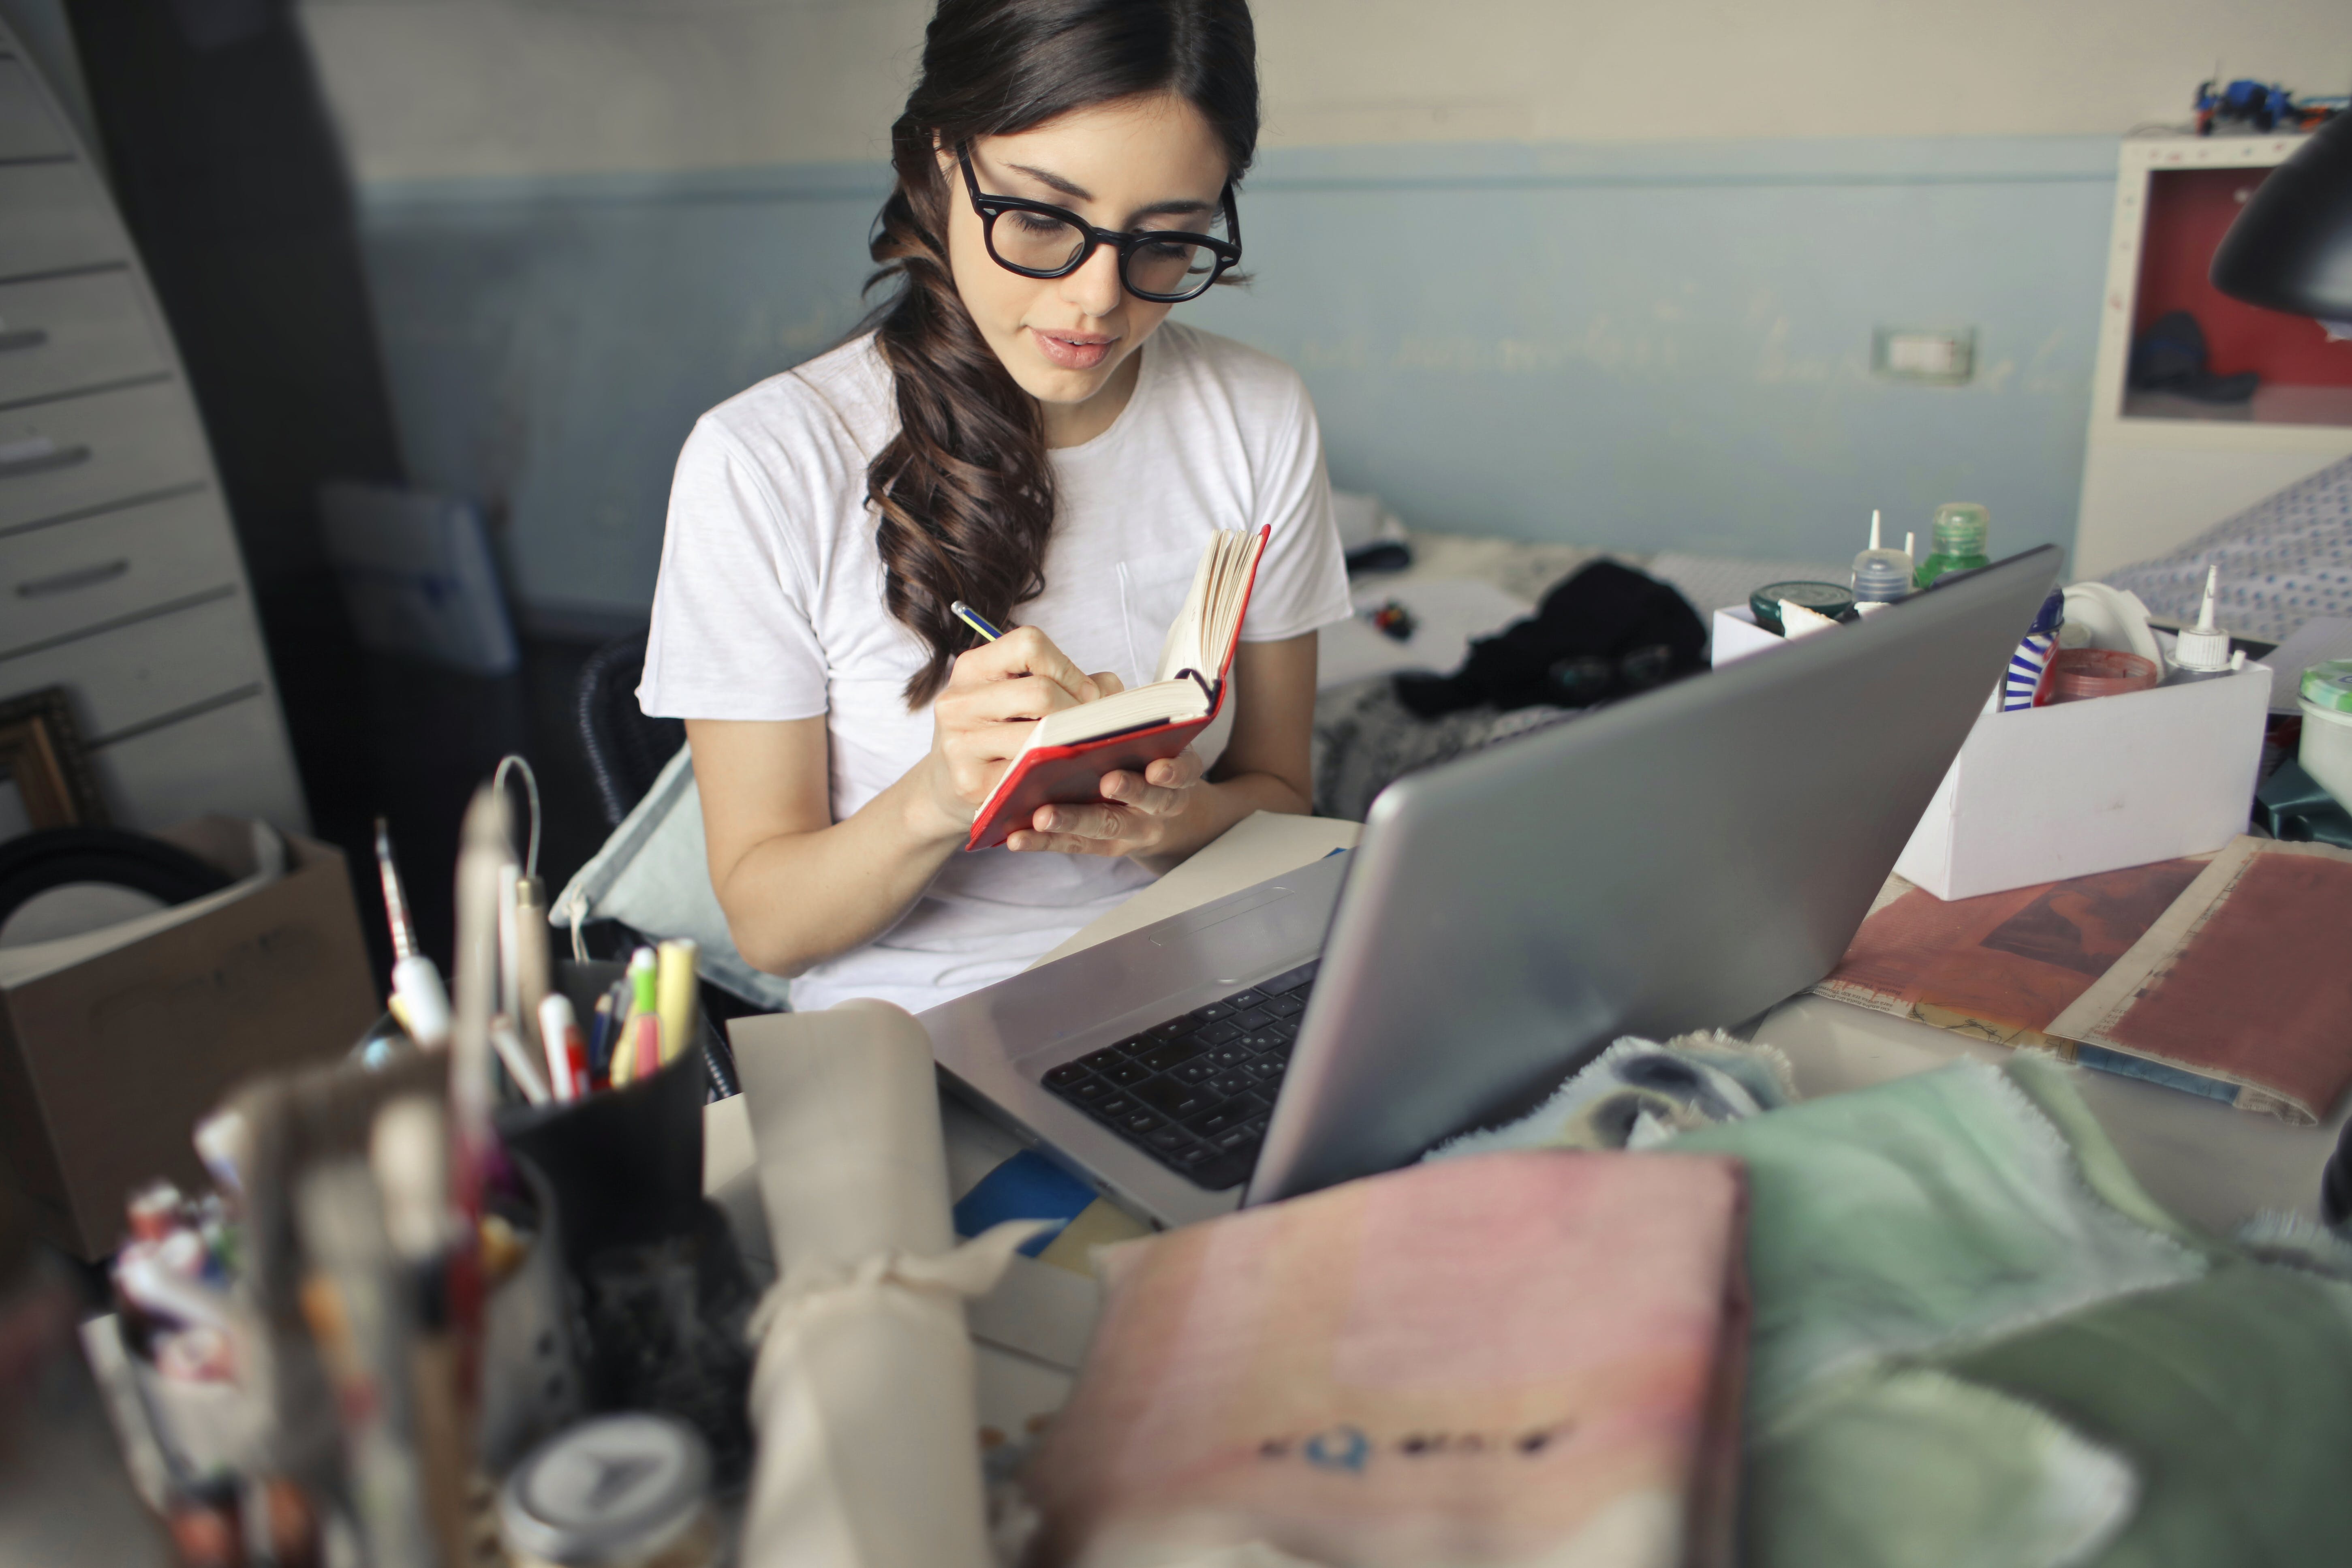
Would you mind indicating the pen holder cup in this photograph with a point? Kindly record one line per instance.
(658, 1291)
(531, 1371)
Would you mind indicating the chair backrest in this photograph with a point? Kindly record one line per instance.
(627, 751)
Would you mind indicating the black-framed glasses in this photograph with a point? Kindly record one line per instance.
(1037, 239)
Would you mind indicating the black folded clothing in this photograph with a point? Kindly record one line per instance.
(1606, 631)
(2171, 356)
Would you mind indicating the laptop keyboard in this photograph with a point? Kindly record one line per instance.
(1194, 1092)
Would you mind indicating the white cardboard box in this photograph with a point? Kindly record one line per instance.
(1735, 635)
(2081, 787)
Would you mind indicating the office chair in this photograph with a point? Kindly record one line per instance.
(627, 751)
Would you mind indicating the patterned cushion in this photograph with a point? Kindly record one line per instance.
(1364, 738)
(2284, 560)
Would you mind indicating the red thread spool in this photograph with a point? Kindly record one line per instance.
(2078, 673)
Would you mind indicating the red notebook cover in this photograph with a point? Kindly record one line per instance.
(1072, 775)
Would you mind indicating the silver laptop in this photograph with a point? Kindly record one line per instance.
(1681, 860)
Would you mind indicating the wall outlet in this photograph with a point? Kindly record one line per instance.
(1946, 358)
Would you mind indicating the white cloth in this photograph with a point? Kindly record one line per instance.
(862, 1398)
(771, 607)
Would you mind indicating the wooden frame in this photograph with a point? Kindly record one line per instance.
(41, 753)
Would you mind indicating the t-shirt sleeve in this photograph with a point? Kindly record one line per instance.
(732, 635)
(1302, 579)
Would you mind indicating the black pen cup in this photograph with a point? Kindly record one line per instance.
(660, 1294)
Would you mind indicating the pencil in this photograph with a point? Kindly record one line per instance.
(971, 618)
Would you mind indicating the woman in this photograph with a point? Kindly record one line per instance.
(1046, 448)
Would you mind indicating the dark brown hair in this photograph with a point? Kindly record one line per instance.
(964, 492)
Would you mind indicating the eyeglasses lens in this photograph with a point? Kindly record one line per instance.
(1034, 241)
(1166, 268)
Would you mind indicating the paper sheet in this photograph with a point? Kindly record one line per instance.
(862, 1398)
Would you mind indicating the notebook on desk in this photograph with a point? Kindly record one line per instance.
(1682, 859)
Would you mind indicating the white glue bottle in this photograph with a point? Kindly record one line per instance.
(2202, 651)
(1880, 576)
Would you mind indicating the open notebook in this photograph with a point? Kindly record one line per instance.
(1067, 752)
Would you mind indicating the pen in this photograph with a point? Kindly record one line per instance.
(421, 1002)
(971, 618)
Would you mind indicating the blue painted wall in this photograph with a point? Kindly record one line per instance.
(1647, 346)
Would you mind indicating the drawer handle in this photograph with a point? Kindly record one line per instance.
(67, 581)
(22, 337)
(37, 453)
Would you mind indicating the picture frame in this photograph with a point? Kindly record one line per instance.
(42, 754)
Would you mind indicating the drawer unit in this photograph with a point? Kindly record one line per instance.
(81, 452)
(119, 573)
(63, 334)
(233, 760)
(133, 675)
(52, 218)
(27, 129)
(59, 579)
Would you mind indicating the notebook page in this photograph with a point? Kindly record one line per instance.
(1182, 648)
(1156, 703)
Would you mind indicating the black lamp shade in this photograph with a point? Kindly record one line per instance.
(2290, 250)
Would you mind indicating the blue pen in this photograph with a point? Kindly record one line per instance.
(971, 618)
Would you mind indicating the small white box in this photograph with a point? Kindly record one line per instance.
(2077, 788)
(1736, 635)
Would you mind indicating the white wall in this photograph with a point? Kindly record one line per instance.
(450, 89)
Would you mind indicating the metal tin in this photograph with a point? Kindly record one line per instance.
(1822, 598)
(619, 1491)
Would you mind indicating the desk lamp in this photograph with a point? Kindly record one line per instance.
(2291, 250)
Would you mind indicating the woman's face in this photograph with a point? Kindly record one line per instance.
(1135, 162)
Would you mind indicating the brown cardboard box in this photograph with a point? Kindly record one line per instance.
(105, 1064)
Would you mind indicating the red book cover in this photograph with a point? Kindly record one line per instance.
(1072, 774)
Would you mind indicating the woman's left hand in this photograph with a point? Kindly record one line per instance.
(1137, 815)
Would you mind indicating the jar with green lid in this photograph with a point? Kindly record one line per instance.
(2326, 750)
(1957, 542)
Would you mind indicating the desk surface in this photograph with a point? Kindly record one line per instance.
(2212, 1165)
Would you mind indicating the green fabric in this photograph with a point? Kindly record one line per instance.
(1915, 1469)
(2231, 1396)
(2049, 1083)
(1931, 1211)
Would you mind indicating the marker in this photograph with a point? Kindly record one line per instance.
(675, 972)
(971, 618)
(600, 1041)
(645, 1015)
(567, 1050)
(642, 1012)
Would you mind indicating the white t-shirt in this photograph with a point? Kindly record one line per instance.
(771, 607)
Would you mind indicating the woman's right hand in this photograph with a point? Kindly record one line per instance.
(981, 719)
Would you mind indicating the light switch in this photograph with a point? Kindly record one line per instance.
(1945, 357)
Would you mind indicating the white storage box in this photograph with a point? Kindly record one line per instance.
(2080, 787)
(1735, 635)
(2083, 787)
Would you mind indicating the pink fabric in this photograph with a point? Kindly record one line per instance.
(1511, 1358)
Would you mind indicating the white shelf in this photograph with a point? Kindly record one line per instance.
(2278, 405)
(2159, 470)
